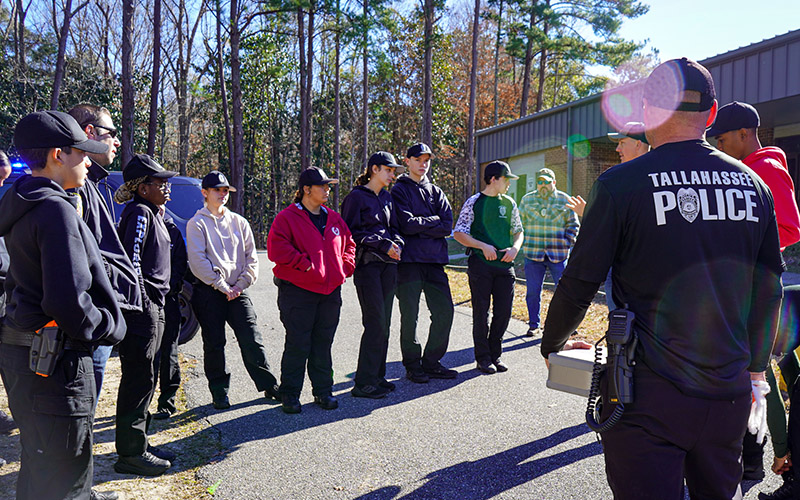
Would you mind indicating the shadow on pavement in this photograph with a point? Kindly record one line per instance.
(492, 475)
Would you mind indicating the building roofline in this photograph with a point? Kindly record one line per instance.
(753, 47)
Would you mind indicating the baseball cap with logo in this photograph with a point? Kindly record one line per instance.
(418, 150)
(53, 129)
(632, 130)
(546, 173)
(734, 116)
(315, 176)
(216, 179)
(665, 86)
(144, 166)
(384, 158)
(498, 168)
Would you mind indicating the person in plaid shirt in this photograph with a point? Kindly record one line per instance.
(550, 231)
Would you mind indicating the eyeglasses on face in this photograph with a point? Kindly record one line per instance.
(165, 187)
(111, 130)
(541, 182)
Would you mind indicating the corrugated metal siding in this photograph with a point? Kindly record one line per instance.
(765, 71)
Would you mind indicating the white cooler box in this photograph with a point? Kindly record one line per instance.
(571, 371)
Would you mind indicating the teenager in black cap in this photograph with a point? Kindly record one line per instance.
(425, 218)
(692, 237)
(368, 213)
(313, 252)
(490, 223)
(146, 240)
(222, 255)
(56, 277)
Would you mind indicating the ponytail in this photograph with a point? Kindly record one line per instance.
(125, 192)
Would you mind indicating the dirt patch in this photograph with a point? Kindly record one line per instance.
(187, 433)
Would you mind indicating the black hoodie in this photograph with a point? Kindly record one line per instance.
(369, 217)
(56, 271)
(425, 219)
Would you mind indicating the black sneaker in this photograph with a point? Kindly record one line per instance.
(7, 423)
(417, 375)
(161, 453)
(534, 332)
(369, 391)
(145, 464)
(440, 371)
(486, 367)
(501, 367)
(328, 402)
(162, 414)
(103, 495)
(387, 385)
(221, 403)
(291, 404)
(272, 393)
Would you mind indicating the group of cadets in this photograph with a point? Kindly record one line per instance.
(74, 272)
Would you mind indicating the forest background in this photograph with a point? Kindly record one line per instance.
(263, 89)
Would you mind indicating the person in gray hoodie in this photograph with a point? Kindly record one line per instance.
(222, 255)
(56, 278)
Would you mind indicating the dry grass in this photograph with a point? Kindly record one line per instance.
(187, 434)
(592, 328)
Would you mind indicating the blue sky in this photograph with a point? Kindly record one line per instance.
(700, 29)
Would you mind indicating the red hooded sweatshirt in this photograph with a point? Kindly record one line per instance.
(294, 243)
(770, 164)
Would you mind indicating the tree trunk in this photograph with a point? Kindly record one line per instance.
(237, 157)
(105, 10)
(152, 129)
(20, 36)
(427, 92)
(473, 89)
(306, 159)
(542, 67)
(526, 76)
(182, 76)
(337, 108)
(497, 61)
(61, 58)
(301, 39)
(223, 92)
(365, 89)
(128, 92)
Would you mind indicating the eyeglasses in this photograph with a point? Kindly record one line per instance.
(540, 182)
(111, 130)
(165, 187)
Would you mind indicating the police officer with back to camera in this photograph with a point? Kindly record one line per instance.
(146, 239)
(701, 272)
(56, 278)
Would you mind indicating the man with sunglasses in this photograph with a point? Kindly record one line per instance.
(550, 231)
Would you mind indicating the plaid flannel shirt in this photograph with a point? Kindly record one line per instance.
(550, 227)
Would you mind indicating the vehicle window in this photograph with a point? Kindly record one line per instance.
(186, 200)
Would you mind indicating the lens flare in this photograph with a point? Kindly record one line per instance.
(579, 146)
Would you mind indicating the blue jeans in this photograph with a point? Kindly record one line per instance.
(608, 287)
(99, 359)
(534, 276)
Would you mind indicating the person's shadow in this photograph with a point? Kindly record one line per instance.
(489, 476)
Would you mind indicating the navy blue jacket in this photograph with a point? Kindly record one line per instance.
(56, 271)
(119, 267)
(179, 260)
(372, 223)
(146, 240)
(425, 220)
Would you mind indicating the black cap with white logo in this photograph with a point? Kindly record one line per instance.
(216, 179)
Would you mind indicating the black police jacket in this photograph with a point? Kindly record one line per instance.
(425, 220)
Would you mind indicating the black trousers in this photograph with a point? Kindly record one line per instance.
(213, 310)
(55, 416)
(137, 385)
(375, 284)
(310, 320)
(495, 284)
(167, 370)
(665, 436)
(413, 279)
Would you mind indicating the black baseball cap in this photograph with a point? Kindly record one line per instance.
(384, 158)
(632, 130)
(498, 168)
(315, 176)
(53, 129)
(734, 116)
(418, 150)
(669, 80)
(216, 179)
(144, 166)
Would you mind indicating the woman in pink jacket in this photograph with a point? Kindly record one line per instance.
(313, 253)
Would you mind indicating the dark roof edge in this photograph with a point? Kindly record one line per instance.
(753, 47)
(540, 114)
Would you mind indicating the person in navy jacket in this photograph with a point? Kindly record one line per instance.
(313, 252)
(367, 210)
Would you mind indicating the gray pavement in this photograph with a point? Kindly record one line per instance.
(502, 436)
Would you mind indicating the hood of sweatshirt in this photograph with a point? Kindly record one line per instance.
(406, 179)
(769, 152)
(26, 193)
